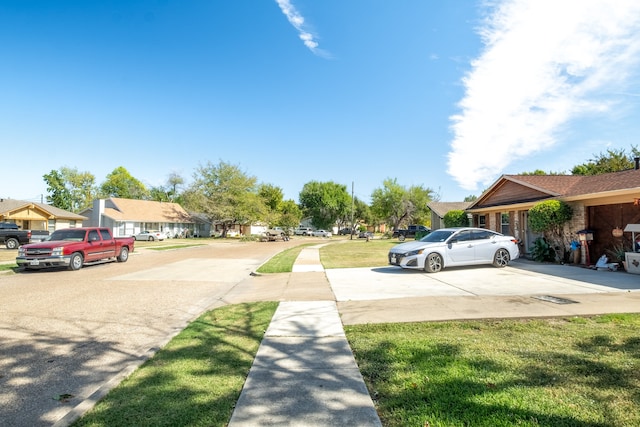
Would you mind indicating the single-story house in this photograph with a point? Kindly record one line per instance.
(440, 209)
(37, 216)
(602, 204)
(127, 217)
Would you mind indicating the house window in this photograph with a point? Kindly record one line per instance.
(482, 221)
(505, 223)
(72, 224)
(51, 225)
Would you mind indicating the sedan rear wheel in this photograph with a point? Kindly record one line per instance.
(501, 258)
(151, 239)
(433, 263)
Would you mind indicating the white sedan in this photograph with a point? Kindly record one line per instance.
(449, 247)
(321, 233)
(150, 235)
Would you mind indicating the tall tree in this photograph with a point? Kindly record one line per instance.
(399, 205)
(173, 182)
(325, 202)
(280, 212)
(58, 193)
(225, 194)
(70, 189)
(120, 183)
(614, 160)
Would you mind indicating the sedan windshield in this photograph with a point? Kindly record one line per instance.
(437, 236)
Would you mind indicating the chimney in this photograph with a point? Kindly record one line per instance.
(637, 160)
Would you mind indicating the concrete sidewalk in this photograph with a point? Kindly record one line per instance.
(304, 373)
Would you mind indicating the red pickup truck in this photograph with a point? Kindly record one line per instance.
(72, 247)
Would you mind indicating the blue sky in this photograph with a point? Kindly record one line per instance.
(445, 94)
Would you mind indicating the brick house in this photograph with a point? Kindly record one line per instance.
(601, 204)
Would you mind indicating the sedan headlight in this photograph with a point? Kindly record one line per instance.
(416, 252)
(57, 251)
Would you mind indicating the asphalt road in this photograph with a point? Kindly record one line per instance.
(63, 334)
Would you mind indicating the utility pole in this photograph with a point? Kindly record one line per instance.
(351, 231)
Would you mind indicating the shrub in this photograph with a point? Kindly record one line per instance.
(541, 251)
(456, 218)
(549, 218)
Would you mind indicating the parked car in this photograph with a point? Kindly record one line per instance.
(321, 233)
(365, 235)
(346, 231)
(303, 231)
(449, 247)
(150, 235)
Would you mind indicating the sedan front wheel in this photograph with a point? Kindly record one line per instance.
(501, 258)
(433, 263)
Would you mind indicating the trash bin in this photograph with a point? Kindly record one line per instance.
(421, 234)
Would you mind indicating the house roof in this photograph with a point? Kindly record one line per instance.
(441, 208)
(10, 206)
(526, 188)
(145, 210)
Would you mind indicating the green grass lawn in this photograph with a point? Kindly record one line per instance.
(196, 379)
(579, 371)
(535, 372)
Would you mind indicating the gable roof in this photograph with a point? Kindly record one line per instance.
(510, 189)
(10, 206)
(145, 211)
(441, 208)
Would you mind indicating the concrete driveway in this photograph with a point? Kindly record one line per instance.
(520, 278)
(522, 289)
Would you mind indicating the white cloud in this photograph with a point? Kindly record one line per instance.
(297, 21)
(545, 63)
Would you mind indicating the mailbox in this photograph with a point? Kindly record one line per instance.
(585, 235)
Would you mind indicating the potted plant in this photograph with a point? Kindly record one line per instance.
(617, 254)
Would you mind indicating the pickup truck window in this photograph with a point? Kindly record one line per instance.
(94, 236)
(105, 234)
(72, 235)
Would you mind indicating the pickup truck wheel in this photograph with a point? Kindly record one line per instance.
(124, 255)
(11, 243)
(76, 261)
(401, 237)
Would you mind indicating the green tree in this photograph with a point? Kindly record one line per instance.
(549, 218)
(225, 194)
(58, 193)
(290, 214)
(120, 183)
(174, 181)
(169, 191)
(70, 189)
(398, 205)
(280, 212)
(614, 160)
(456, 218)
(325, 202)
